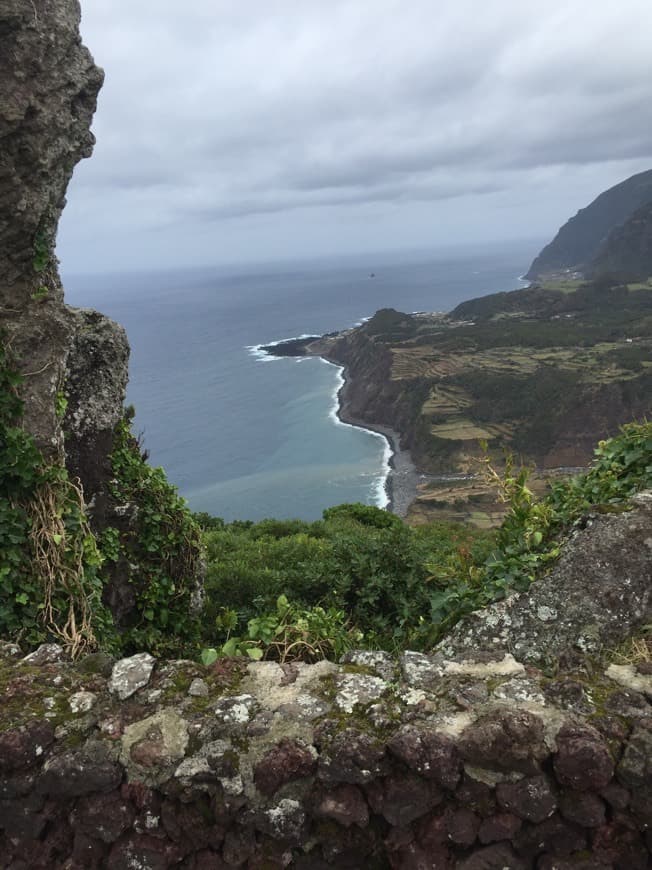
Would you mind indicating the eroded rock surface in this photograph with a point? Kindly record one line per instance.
(598, 593)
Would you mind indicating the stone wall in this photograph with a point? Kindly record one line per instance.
(425, 762)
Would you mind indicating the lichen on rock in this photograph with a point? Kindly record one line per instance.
(597, 596)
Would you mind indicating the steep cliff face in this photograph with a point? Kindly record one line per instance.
(627, 250)
(578, 241)
(48, 90)
(370, 396)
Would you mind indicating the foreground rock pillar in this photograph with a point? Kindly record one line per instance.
(48, 92)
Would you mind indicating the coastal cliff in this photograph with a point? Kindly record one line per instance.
(541, 372)
(627, 250)
(578, 242)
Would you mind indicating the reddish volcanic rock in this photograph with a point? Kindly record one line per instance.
(583, 760)
(352, 757)
(431, 755)
(502, 826)
(531, 798)
(583, 808)
(555, 836)
(24, 746)
(616, 844)
(403, 799)
(140, 851)
(74, 774)
(103, 817)
(497, 857)
(345, 805)
(288, 760)
(505, 740)
(462, 827)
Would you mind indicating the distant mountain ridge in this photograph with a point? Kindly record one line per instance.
(585, 237)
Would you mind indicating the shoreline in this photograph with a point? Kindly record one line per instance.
(381, 490)
(402, 477)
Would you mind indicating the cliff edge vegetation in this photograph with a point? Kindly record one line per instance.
(363, 578)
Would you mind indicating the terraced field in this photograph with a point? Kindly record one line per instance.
(446, 400)
(461, 429)
(465, 501)
(426, 362)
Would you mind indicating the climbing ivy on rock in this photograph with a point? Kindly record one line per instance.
(159, 543)
(50, 583)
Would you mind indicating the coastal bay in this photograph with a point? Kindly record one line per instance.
(399, 480)
(246, 439)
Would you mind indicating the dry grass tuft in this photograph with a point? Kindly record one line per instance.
(635, 650)
(58, 554)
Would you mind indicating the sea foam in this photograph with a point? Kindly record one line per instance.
(379, 486)
(256, 350)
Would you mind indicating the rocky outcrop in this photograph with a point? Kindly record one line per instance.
(74, 363)
(48, 91)
(425, 762)
(577, 242)
(95, 383)
(598, 594)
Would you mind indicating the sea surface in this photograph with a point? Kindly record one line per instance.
(245, 436)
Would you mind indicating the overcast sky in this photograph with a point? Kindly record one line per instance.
(249, 130)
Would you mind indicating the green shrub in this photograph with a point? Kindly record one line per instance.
(288, 633)
(359, 560)
(364, 514)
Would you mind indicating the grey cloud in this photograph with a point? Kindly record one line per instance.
(216, 109)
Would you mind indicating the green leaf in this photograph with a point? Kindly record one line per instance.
(209, 655)
(255, 653)
(230, 648)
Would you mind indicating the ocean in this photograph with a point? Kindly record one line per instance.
(246, 436)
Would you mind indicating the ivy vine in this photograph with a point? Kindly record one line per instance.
(162, 546)
(50, 581)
